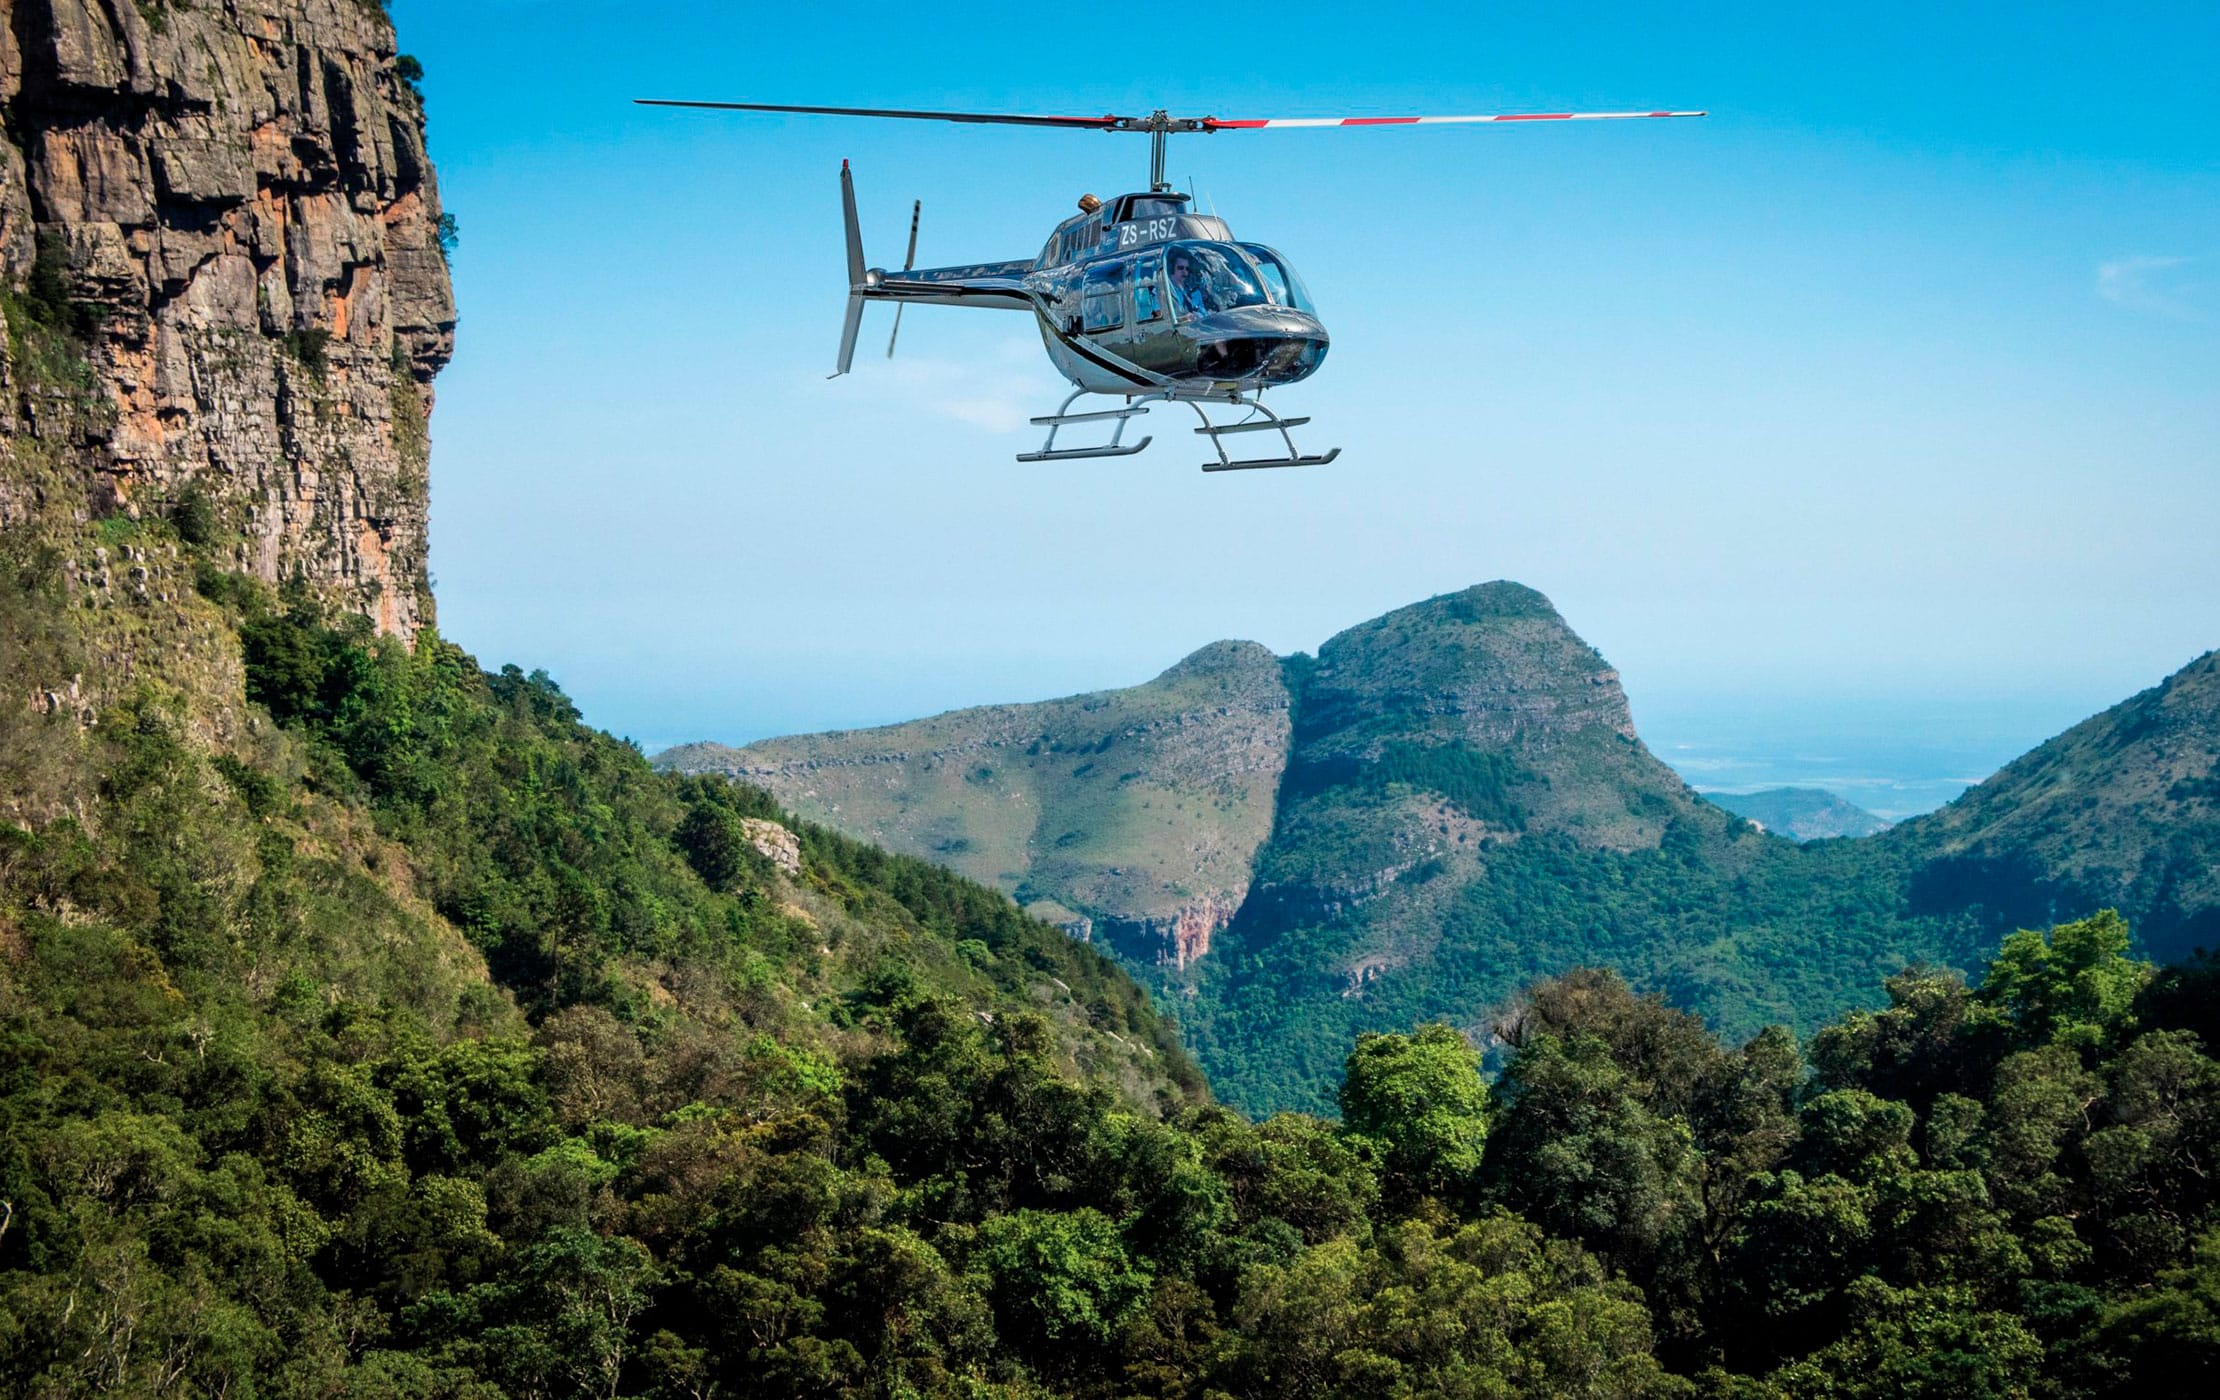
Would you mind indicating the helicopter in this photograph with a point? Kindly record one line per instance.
(1138, 297)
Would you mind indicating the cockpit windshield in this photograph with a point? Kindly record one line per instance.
(1208, 277)
(1279, 277)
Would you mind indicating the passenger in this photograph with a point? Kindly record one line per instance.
(1187, 285)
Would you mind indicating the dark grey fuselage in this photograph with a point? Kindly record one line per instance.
(1142, 296)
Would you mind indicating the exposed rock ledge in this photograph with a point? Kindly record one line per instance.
(1180, 938)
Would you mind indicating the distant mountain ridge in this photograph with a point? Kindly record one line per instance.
(1451, 800)
(1801, 814)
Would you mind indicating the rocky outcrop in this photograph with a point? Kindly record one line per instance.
(775, 843)
(1493, 666)
(220, 223)
(1177, 940)
(1484, 697)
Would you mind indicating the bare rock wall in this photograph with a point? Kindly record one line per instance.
(235, 199)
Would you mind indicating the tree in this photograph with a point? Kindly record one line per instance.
(1422, 1099)
(1920, 1344)
(1062, 1284)
(1575, 1151)
(1855, 1135)
(1483, 1309)
(2165, 1343)
(2074, 986)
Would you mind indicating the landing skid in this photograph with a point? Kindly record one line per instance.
(1259, 420)
(1062, 417)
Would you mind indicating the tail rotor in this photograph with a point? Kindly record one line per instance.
(909, 260)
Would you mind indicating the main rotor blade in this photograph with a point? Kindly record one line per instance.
(1105, 123)
(1219, 124)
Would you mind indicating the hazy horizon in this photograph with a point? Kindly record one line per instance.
(1896, 756)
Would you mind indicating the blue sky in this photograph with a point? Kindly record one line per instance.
(1886, 391)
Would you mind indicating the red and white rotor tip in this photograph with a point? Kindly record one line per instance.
(1222, 124)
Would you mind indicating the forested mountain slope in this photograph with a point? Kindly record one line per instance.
(1468, 809)
(1465, 806)
(372, 1029)
(364, 1016)
(2123, 810)
(357, 1056)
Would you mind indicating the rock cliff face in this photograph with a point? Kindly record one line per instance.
(1487, 689)
(223, 214)
(1427, 743)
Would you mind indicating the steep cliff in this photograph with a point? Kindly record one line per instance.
(229, 294)
(1458, 723)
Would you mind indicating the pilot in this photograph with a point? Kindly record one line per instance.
(1187, 285)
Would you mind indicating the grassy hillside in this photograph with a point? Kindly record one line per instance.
(1118, 813)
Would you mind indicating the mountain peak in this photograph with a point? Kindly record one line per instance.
(1239, 665)
(1493, 665)
(1500, 599)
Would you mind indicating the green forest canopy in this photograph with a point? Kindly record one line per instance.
(267, 1130)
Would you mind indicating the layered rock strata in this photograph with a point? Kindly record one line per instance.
(223, 222)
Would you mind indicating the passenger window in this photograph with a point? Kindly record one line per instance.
(1102, 297)
(1148, 296)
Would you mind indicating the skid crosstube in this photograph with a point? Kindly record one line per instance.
(1063, 417)
(1260, 420)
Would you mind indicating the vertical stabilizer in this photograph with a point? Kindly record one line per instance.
(854, 322)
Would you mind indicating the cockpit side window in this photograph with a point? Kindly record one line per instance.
(1280, 280)
(1102, 297)
(1202, 278)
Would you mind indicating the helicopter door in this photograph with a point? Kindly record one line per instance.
(1102, 297)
